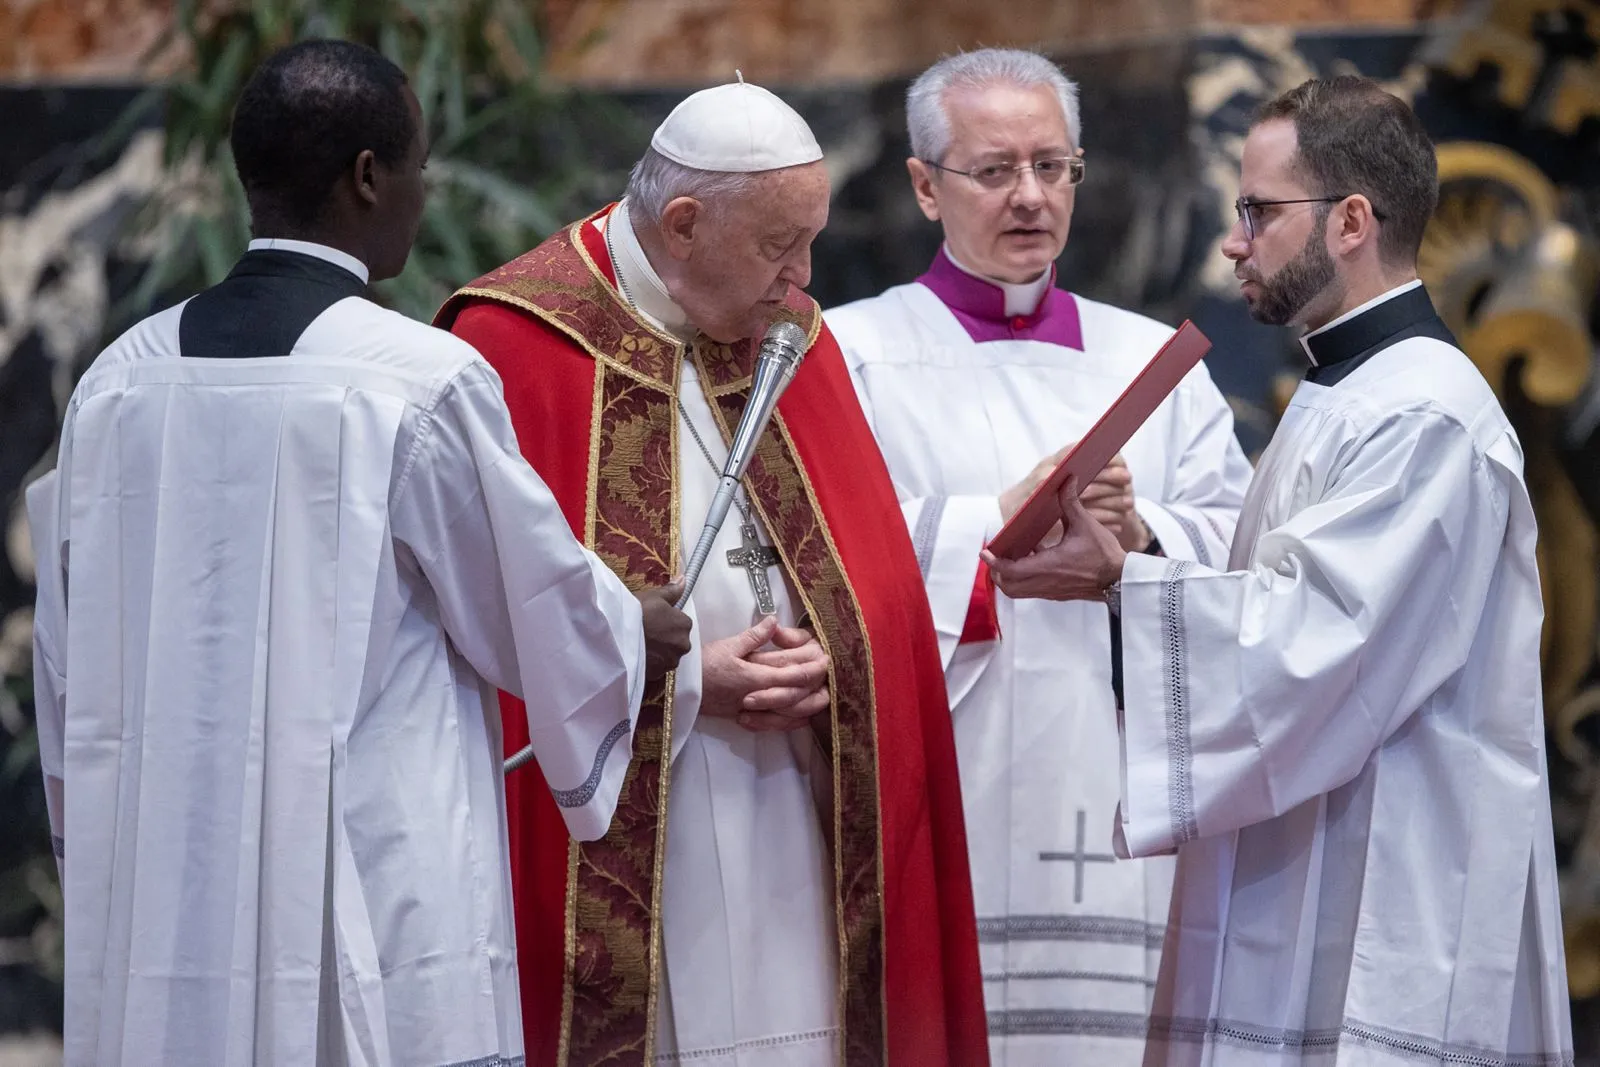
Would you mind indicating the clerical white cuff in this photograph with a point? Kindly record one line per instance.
(1180, 535)
(947, 534)
(1148, 630)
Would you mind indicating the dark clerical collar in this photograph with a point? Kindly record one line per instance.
(1340, 347)
(264, 304)
(980, 307)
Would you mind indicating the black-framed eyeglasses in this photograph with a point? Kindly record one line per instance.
(1005, 175)
(1247, 210)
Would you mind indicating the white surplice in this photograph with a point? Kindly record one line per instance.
(1344, 734)
(1068, 937)
(276, 596)
(747, 898)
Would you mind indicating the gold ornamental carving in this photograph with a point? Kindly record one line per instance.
(1514, 282)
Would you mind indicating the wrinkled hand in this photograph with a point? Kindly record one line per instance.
(779, 688)
(666, 629)
(1109, 501)
(1082, 565)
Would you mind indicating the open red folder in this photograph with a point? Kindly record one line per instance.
(1105, 439)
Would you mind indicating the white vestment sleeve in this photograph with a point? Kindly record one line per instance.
(1248, 693)
(49, 650)
(947, 533)
(1194, 518)
(532, 610)
(687, 686)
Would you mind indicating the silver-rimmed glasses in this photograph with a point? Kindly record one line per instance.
(1005, 175)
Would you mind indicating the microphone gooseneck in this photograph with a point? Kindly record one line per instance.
(781, 351)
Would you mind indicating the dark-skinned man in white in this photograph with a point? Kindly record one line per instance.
(1341, 732)
(287, 552)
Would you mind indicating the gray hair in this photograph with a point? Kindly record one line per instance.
(926, 120)
(656, 181)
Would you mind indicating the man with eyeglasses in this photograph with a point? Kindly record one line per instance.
(1340, 730)
(969, 376)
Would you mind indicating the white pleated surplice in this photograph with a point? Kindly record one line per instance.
(1343, 736)
(276, 597)
(1068, 935)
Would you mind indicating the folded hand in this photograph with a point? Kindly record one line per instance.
(1109, 501)
(777, 688)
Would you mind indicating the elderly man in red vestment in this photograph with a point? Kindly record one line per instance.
(785, 883)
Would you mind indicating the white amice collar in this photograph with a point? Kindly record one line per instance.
(637, 280)
(1022, 298)
(311, 248)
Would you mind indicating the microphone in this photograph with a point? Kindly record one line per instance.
(781, 351)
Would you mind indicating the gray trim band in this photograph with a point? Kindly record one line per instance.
(1103, 929)
(1175, 676)
(582, 794)
(1080, 1023)
(1070, 976)
(926, 534)
(1400, 1042)
(1196, 538)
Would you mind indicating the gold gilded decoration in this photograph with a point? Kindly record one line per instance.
(1515, 56)
(1507, 275)
(1538, 56)
(781, 493)
(1576, 97)
(1514, 283)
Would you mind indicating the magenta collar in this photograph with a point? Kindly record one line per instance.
(980, 307)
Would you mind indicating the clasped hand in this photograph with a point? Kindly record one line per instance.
(1081, 565)
(1108, 498)
(778, 688)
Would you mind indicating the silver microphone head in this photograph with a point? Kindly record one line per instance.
(785, 342)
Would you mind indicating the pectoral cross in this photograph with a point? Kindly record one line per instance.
(756, 559)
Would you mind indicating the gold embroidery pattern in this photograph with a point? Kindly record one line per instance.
(561, 284)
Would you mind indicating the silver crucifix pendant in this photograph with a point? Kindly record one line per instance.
(755, 558)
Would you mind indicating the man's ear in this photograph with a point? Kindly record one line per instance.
(364, 173)
(679, 222)
(922, 186)
(1356, 224)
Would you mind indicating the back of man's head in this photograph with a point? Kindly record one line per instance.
(305, 115)
(1353, 137)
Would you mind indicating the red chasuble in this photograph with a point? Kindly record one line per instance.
(592, 389)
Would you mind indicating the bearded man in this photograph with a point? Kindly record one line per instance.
(1340, 730)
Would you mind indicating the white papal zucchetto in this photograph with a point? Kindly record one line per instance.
(736, 127)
